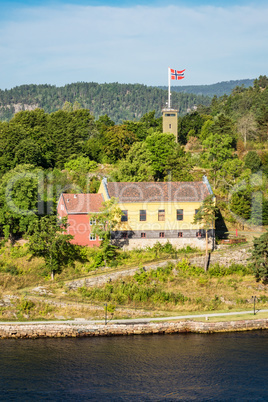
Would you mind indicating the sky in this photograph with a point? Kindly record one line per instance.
(66, 41)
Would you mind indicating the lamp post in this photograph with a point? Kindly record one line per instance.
(254, 300)
(105, 304)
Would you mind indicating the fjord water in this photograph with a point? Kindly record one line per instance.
(230, 366)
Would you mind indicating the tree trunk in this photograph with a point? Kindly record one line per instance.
(52, 274)
(206, 259)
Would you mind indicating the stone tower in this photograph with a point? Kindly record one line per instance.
(170, 121)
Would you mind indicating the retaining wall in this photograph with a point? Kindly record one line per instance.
(64, 330)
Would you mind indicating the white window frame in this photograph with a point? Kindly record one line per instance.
(92, 237)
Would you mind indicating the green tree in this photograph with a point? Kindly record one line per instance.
(105, 222)
(20, 197)
(259, 257)
(50, 241)
(167, 157)
(206, 216)
(79, 169)
(240, 203)
(117, 142)
(137, 165)
(192, 122)
(252, 161)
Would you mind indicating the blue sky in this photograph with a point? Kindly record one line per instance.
(60, 42)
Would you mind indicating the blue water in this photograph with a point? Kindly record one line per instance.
(218, 367)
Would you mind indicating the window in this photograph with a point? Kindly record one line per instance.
(143, 234)
(62, 207)
(161, 214)
(92, 222)
(179, 214)
(124, 217)
(142, 215)
(124, 235)
(161, 234)
(100, 238)
(170, 114)
(195, 211)
(169, 126)
(92, 237)
(180, 234)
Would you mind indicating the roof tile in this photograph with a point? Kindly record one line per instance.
(158, 191)
(82, 203)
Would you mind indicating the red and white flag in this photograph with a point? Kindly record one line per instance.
(176, 74)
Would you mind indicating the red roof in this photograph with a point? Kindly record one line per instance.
(158, 191)
(82, 203)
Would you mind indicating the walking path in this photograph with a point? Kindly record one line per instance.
(134, 320)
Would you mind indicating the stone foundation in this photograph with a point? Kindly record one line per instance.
(177, 242)
(78, 330)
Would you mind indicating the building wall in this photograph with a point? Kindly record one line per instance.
(152, 223)
(170, 122)
(78, 226)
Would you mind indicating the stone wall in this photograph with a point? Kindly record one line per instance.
(224, 257)
(177, 242)
(62, 330)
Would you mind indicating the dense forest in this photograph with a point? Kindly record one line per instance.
(218, 89)
(119, 101)
(43, 154)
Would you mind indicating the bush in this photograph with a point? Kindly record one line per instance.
(8, 268)
(25, 305)
(218, 270)
(187, 269)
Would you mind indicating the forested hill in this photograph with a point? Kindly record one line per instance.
(119, 101)
(218, 89)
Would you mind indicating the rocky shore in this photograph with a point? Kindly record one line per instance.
(78, 330)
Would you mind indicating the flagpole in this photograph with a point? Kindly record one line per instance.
(169, 94)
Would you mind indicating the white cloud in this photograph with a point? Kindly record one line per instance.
(77, 43)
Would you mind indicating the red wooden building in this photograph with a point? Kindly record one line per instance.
(78, 207)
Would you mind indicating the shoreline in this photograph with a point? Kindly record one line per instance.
(80, 329)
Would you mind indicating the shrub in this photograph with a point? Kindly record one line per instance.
(25, 305)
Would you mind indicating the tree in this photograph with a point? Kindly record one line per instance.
(105, 222)
(261, 82)
(189, 125)
(20, 195)
(206, 217)
(158, 158)
(218, 149)
(117, 142)
(252, 161)
(247, 127)
(240, 204)
(167, 157)
(259, 258)
(137, 165)
(50, 241)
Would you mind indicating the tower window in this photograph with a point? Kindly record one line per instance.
(143, 234)
(161, 234)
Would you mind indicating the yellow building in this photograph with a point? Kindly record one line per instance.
(157, 211)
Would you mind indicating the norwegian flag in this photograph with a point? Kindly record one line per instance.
(176, 75)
